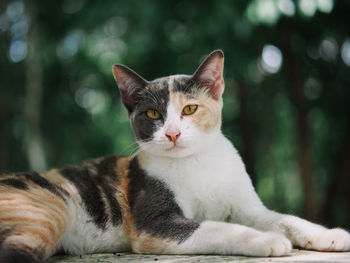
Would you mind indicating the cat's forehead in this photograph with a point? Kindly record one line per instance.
(158, 92)
(171, 83)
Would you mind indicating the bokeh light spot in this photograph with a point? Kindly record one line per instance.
(313, 52)
(19, 29)
(272, 59)
(92, 100)
(329, 49)
(71, 44)
(287, 7)
(312, 88)
(267, 11)
(14, 10)
(325, 6)
(116, 26)
(72, 6)
(18, 50)
(307, 7)
(345, 52)
(263, 11)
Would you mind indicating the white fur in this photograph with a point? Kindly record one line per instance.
(224, 238)
(210, 184)
(82, 236)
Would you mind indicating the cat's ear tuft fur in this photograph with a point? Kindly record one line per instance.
(210, 74)
(129, 84)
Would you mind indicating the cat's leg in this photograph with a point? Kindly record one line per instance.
(301, 232)
(155, 223)
(32, 220)
(308, 235)
(211, 238)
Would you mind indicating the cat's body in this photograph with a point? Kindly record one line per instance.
(185, 192)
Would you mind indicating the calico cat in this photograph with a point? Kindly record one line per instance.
(186, 191)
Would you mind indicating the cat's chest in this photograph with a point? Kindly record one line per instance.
(203, 187)
(203, 193)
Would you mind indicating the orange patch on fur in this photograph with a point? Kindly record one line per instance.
(208, 114)
(142, 158)
(49, 204)
(54, 176)
(123, 196)
(36, 216)
(25, 221)
(152, 245)
(141, 242)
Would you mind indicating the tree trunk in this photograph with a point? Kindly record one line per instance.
(338, 190)
(33, 71)
(248, 152)
(297, 94)
(6, 96)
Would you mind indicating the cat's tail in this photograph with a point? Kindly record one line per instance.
(33, 215)
(12, 254)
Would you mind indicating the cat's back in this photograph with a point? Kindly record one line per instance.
(98, 189)
(92, 184)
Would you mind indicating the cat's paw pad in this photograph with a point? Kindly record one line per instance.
(328, 240)
(271, 244)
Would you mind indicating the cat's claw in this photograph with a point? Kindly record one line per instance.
(327, 240)
(271, 245)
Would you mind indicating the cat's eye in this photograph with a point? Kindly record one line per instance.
(153, 114)
(189, 109)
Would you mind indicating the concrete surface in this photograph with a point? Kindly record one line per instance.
(295, 256)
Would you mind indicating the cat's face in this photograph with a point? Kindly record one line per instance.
(174, 116)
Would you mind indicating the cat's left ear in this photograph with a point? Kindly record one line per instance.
(210, 74)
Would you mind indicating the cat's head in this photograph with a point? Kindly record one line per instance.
(174, 116)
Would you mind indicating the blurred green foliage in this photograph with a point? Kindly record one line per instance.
(287, 63)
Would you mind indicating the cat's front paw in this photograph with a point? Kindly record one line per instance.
(327, 240)
(270, 244)
(308, 235)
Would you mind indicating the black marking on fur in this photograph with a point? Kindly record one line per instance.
(3, 235)
(44, 183)
(189, 85)
(11, 254)
(154, 96)
(87, 185)
(154, 208)
(184, 84)
(109, 180)
(15, 183)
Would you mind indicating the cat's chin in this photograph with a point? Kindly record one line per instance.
(177, 151)
(176, 148)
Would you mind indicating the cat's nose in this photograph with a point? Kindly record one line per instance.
(173, 135)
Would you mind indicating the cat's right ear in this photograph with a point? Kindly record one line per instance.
(129, 84)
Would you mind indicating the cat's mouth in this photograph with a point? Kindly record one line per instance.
(176, 147)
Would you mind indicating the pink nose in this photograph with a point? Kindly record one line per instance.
(173, 135)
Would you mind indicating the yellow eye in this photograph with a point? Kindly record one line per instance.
(153, 114)
(189, 109)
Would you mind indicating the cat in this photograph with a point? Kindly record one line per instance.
(186, 190)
